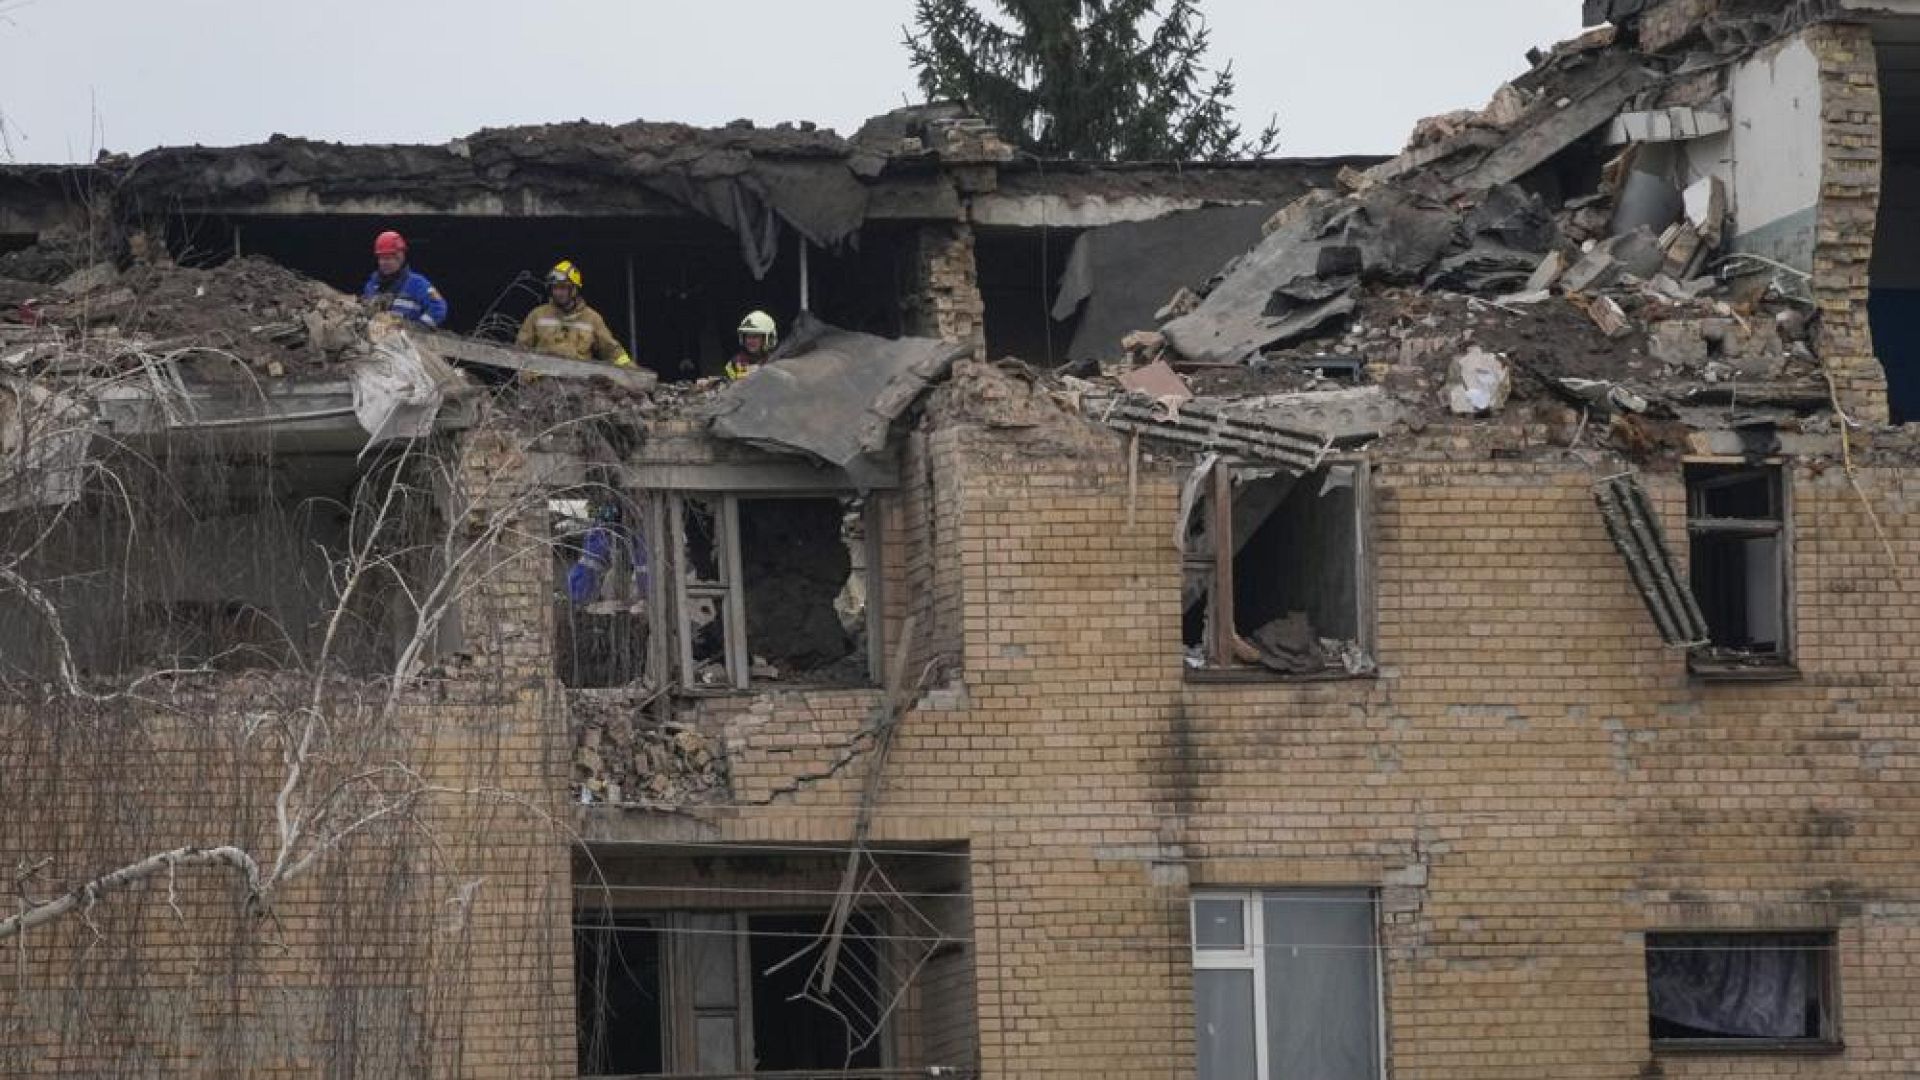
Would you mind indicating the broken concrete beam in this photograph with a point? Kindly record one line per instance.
(1558, 125)
(1345, 416)
(487, 354)
(1678, 123)
(1213, 426)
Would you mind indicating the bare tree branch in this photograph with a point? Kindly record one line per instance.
(87, 894)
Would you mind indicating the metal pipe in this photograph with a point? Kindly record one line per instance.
(806, 291)
(633, 312)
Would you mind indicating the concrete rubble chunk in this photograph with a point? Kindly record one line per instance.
(1157, 381)
(1706, 207)
(490, 354)
(1547, 273)
(1346, 416)
(1685, 251)
(1182, 303)
(1477, 382)
(1606, 313)
(1678, 123)
(1595, 270)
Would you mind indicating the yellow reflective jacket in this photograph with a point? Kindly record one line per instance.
(579, 334)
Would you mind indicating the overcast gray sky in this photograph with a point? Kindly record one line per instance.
(1345, 76)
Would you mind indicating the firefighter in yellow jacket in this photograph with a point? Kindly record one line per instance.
(566, 326)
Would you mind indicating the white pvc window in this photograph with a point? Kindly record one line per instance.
(1286, 985)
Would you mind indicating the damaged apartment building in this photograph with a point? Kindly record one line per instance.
(1447, 616)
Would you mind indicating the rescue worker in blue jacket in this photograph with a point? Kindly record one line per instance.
(395, 287)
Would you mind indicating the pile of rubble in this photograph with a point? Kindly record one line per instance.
(1471, 272)
(623, 756)
(249, 312)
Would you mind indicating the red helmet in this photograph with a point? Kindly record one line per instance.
(389, 243)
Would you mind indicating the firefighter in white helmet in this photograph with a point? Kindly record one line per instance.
(758, 336)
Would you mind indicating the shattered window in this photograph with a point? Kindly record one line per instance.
(603, 567)
(773, 590)
(1737, 538)
(1741, 991)
(1276, 572)
(1286, 984)
(716, 992)
(224, 558)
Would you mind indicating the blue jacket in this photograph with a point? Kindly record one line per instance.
(410, 296)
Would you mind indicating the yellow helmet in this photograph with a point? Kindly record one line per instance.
(760, 323)
(564, 273)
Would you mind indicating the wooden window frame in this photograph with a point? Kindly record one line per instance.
(1217, 565)
(666, 515)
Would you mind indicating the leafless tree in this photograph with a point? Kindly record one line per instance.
(422, 537)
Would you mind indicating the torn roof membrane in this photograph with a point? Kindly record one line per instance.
(833, 395)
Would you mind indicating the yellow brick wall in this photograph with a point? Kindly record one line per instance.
(437, 945)
(1532, 780)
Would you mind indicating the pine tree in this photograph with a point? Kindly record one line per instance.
(1108, 80)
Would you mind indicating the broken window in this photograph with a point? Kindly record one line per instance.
(603, 566)
(711, 992)
(1742, 991)
(705, 959)
(773, 589)
(1738, 559)
(1286, 985)
(223, 556)
(1276, 570)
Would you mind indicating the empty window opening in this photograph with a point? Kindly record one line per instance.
(787, 1028)
(1894, 279)
(1287, 985)
(1738, 541)
(1019, 275)
(1276, 572)
(774, 590)
(224, 557)
(1742, 991)
(672, 287)
(616, 962)
(728, 979)
(603, 565)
